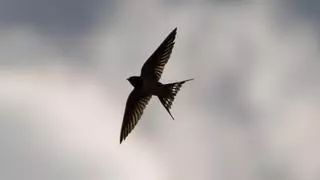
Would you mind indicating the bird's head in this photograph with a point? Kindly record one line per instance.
(135, 81)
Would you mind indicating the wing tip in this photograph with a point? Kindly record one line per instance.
(173, 32)
(122, 138)
(123, 135)
(189, 80)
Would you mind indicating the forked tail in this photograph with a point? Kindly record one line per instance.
(170, 91)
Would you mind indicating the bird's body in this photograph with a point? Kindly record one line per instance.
(147, 85)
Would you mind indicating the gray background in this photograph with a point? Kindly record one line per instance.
(252, 112)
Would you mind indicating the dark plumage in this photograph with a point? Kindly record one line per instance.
(147, 84)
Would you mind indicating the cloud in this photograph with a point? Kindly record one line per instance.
(54, 18)
(251, 112)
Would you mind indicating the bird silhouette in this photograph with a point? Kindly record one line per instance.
(147, 85)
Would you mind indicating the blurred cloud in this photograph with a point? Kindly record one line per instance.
(304, 10)
(54, 18)
(251, 113)
(61, 25)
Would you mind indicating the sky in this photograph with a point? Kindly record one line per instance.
(252, 112)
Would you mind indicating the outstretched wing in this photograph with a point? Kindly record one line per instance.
(153, 67)
(136, 103)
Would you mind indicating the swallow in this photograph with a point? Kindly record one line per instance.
(147, 85)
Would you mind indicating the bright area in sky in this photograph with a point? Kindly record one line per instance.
(252, 112)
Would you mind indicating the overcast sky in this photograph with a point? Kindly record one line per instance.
(252, 112)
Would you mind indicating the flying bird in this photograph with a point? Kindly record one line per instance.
(147, 85)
